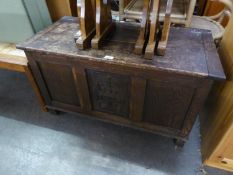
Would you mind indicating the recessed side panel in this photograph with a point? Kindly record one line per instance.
(110, 93)
(60, 82)
(166, 103)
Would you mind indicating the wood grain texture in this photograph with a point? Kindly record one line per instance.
(9, 55)
(109, 92)
(60, 82)
(80, 79)
(140, 44)
(163, 95)
(56, 39)
(138, 91)
(154, 26)
(198, 101)
(217, 121)
(104, 24)
(87, 24)
(59, 8)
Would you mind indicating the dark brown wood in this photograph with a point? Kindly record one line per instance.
(82, 87)
(39, 79)
(59, 80)
(74, 8)
(163, 95)
(198, 100)
(164, 101)
(212, 59)
(109, 92)
(138, 89)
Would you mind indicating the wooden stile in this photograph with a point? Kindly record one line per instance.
(140, 44)
(166, 29)
(104, 23)
(87, 24)
(96, 19)
(154, 22)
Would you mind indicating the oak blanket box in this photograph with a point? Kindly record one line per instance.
(163, 95)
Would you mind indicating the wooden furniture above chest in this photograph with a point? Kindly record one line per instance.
(163, 95)
(217, 120)
(96, 24)
(215, 22)
(182, 11)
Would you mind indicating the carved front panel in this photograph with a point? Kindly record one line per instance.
(59, 81)
(167, 103)
(109, 92)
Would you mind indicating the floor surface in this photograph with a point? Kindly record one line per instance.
(33, 142)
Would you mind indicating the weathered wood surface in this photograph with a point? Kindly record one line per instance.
(185, 52)
(163, 95)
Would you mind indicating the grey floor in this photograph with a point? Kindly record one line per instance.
(37, 143)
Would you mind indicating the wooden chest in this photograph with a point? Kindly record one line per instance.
(163, 95)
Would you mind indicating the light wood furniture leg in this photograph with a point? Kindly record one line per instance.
(154, 18)
(166, 29)
(35, 88)
(104, 23)
(15, 60)
(26, 70)
(140, 44)
(87, 24)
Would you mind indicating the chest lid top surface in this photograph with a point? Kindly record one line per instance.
(189, 51)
